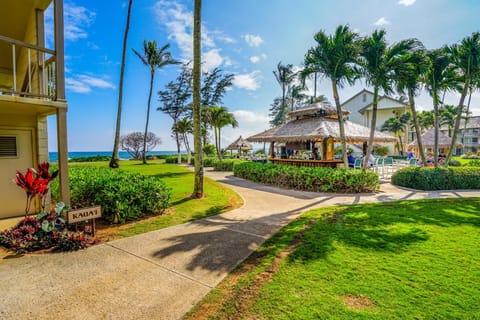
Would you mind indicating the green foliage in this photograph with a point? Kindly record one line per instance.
(428, 178)
(123, 195)
(338, 150)
(90, 159)
(209, 150)
(454, 163)
(225, 165)
(381, 151)
(174, 158)
(308, 179)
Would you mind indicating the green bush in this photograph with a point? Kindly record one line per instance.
(174, 158)
(225, 165)
(90, 159)
(428, 178)
(308, 179)
(123, 195)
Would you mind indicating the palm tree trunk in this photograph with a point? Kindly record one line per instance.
(466, 116)
(457, 121)
(372, 127)
(216, 141)
(436, 125)
(314, 86)
(177, 140)
(187, 146)
(197, 134)
(114, 160)
(418, 133)
(220, 143)
(144, 155)
(340, 123)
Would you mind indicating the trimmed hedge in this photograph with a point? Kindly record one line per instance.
(174, 158)
(225, 165)
(428, 178)
(123, 195)
(308, 179)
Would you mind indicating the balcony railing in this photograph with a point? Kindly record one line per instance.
(31, 72)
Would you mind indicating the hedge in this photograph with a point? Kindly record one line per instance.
(308, 179)
(428, 178)
(123, 195)
(225, 165)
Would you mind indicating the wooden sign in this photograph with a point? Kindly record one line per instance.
(84, 214)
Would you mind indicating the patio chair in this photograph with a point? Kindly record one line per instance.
(388, 166)
(412, 162)
(357, 164)
(378, 166)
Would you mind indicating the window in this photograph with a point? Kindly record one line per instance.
(474, 140)
(364, 98)
(8, 146)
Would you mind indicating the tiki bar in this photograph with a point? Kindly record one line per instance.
(309, 137)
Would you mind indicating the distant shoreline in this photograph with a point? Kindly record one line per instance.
(53, 156)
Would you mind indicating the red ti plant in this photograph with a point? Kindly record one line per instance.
(35, 183)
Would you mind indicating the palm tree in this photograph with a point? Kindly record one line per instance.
(284, 76)
(440, 75)
(397, 126)
(154, 58)
(408, 80)
(196, 104)
(334, 57)
(425, 120)
(448, 114)
(380, 63)
(184, 127)
(466, 58)
(114, 160)
(296, 95)
(219, 117)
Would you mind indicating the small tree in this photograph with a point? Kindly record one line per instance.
(133, 143)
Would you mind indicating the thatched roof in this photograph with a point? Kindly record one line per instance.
(428, 139)
(316, 129)
(319, 109)
(240, 143)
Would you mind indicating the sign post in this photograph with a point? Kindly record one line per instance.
(84, 214)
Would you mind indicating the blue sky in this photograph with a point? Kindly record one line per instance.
(244, 37)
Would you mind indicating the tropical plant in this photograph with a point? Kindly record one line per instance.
(466, 58)
(284, 76)
(196, 104)
(114, 160)
(175, 101)
(296, 96)
(426, 120)
(133, 143)
(448, 114)
(397, 125)
(219, 117)
(154, 58)
(334, 57)
(380, 62)
(184, 127)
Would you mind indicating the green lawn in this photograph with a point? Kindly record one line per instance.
(463, 162)
(217, 198)
(397, 260)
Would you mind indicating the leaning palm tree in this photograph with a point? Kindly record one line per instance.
(284, 76)
(219, 117)
(154, 58)
(116, 143)
(379, 63)
(408, 81)
(334, 57)
(466, 58)
(440, 76)
(184, 127)
(196, 103)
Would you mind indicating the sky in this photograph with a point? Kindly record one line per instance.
(247, 38)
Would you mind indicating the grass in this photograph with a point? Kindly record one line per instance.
(463, 162)
(218, 199)
(398, 260)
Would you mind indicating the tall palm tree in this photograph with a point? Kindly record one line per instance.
(380, 63)
(184, 127)
(334, 57)
(196, 104)
(440, 76)
(219, 117)
(284, 76)
(448, 114)
(408, 80)
(425, 120)
(397, 125)
(466, 58)
(114, 160)
(296, 95)
(154, 58)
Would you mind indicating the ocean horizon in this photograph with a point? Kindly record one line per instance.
(53, 156)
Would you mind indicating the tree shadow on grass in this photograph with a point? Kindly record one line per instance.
(171, 174)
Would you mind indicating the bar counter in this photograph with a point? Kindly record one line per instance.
(308, 163)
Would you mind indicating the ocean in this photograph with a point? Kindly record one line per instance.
(53, 156)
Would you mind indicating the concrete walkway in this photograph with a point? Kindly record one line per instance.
(162, 274)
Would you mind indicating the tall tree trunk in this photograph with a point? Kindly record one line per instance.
(115, 158)
(436, 125)
(177, 140)
(314, 86)
(372, 127)
(216, 141)
(144, 155)
(197, 134)
(187, 146)
(453, 144)
(418, 133)
(466, 117)
(220, 143)
(340, 123)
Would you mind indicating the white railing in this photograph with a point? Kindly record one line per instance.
(31, 76)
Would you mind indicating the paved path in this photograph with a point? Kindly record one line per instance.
(162, 274)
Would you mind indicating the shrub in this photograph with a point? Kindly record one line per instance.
(428, 178)
(174, 158)
(470, 155)
(123, 195)
(454, 163)
(308, 179)
(225, 165)
(90, 159)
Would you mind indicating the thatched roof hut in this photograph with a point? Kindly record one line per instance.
(240, 144)
(428, 140)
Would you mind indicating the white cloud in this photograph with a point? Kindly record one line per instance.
(381, 22)
(256, 59)
(247, 81)
(406, 3)
(77, 18)
(211, 59)
(253, 40)
(249, 123)
(84, 83)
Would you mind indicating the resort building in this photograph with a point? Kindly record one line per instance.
(32, 87)
(468, 136)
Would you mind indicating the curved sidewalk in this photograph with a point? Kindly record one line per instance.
(162, 274)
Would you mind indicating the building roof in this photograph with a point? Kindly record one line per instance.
(356, 95)
(368, 106)
(316, 129)
(240, 143)
(472, 123)
(428, 139)
(317, 109)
